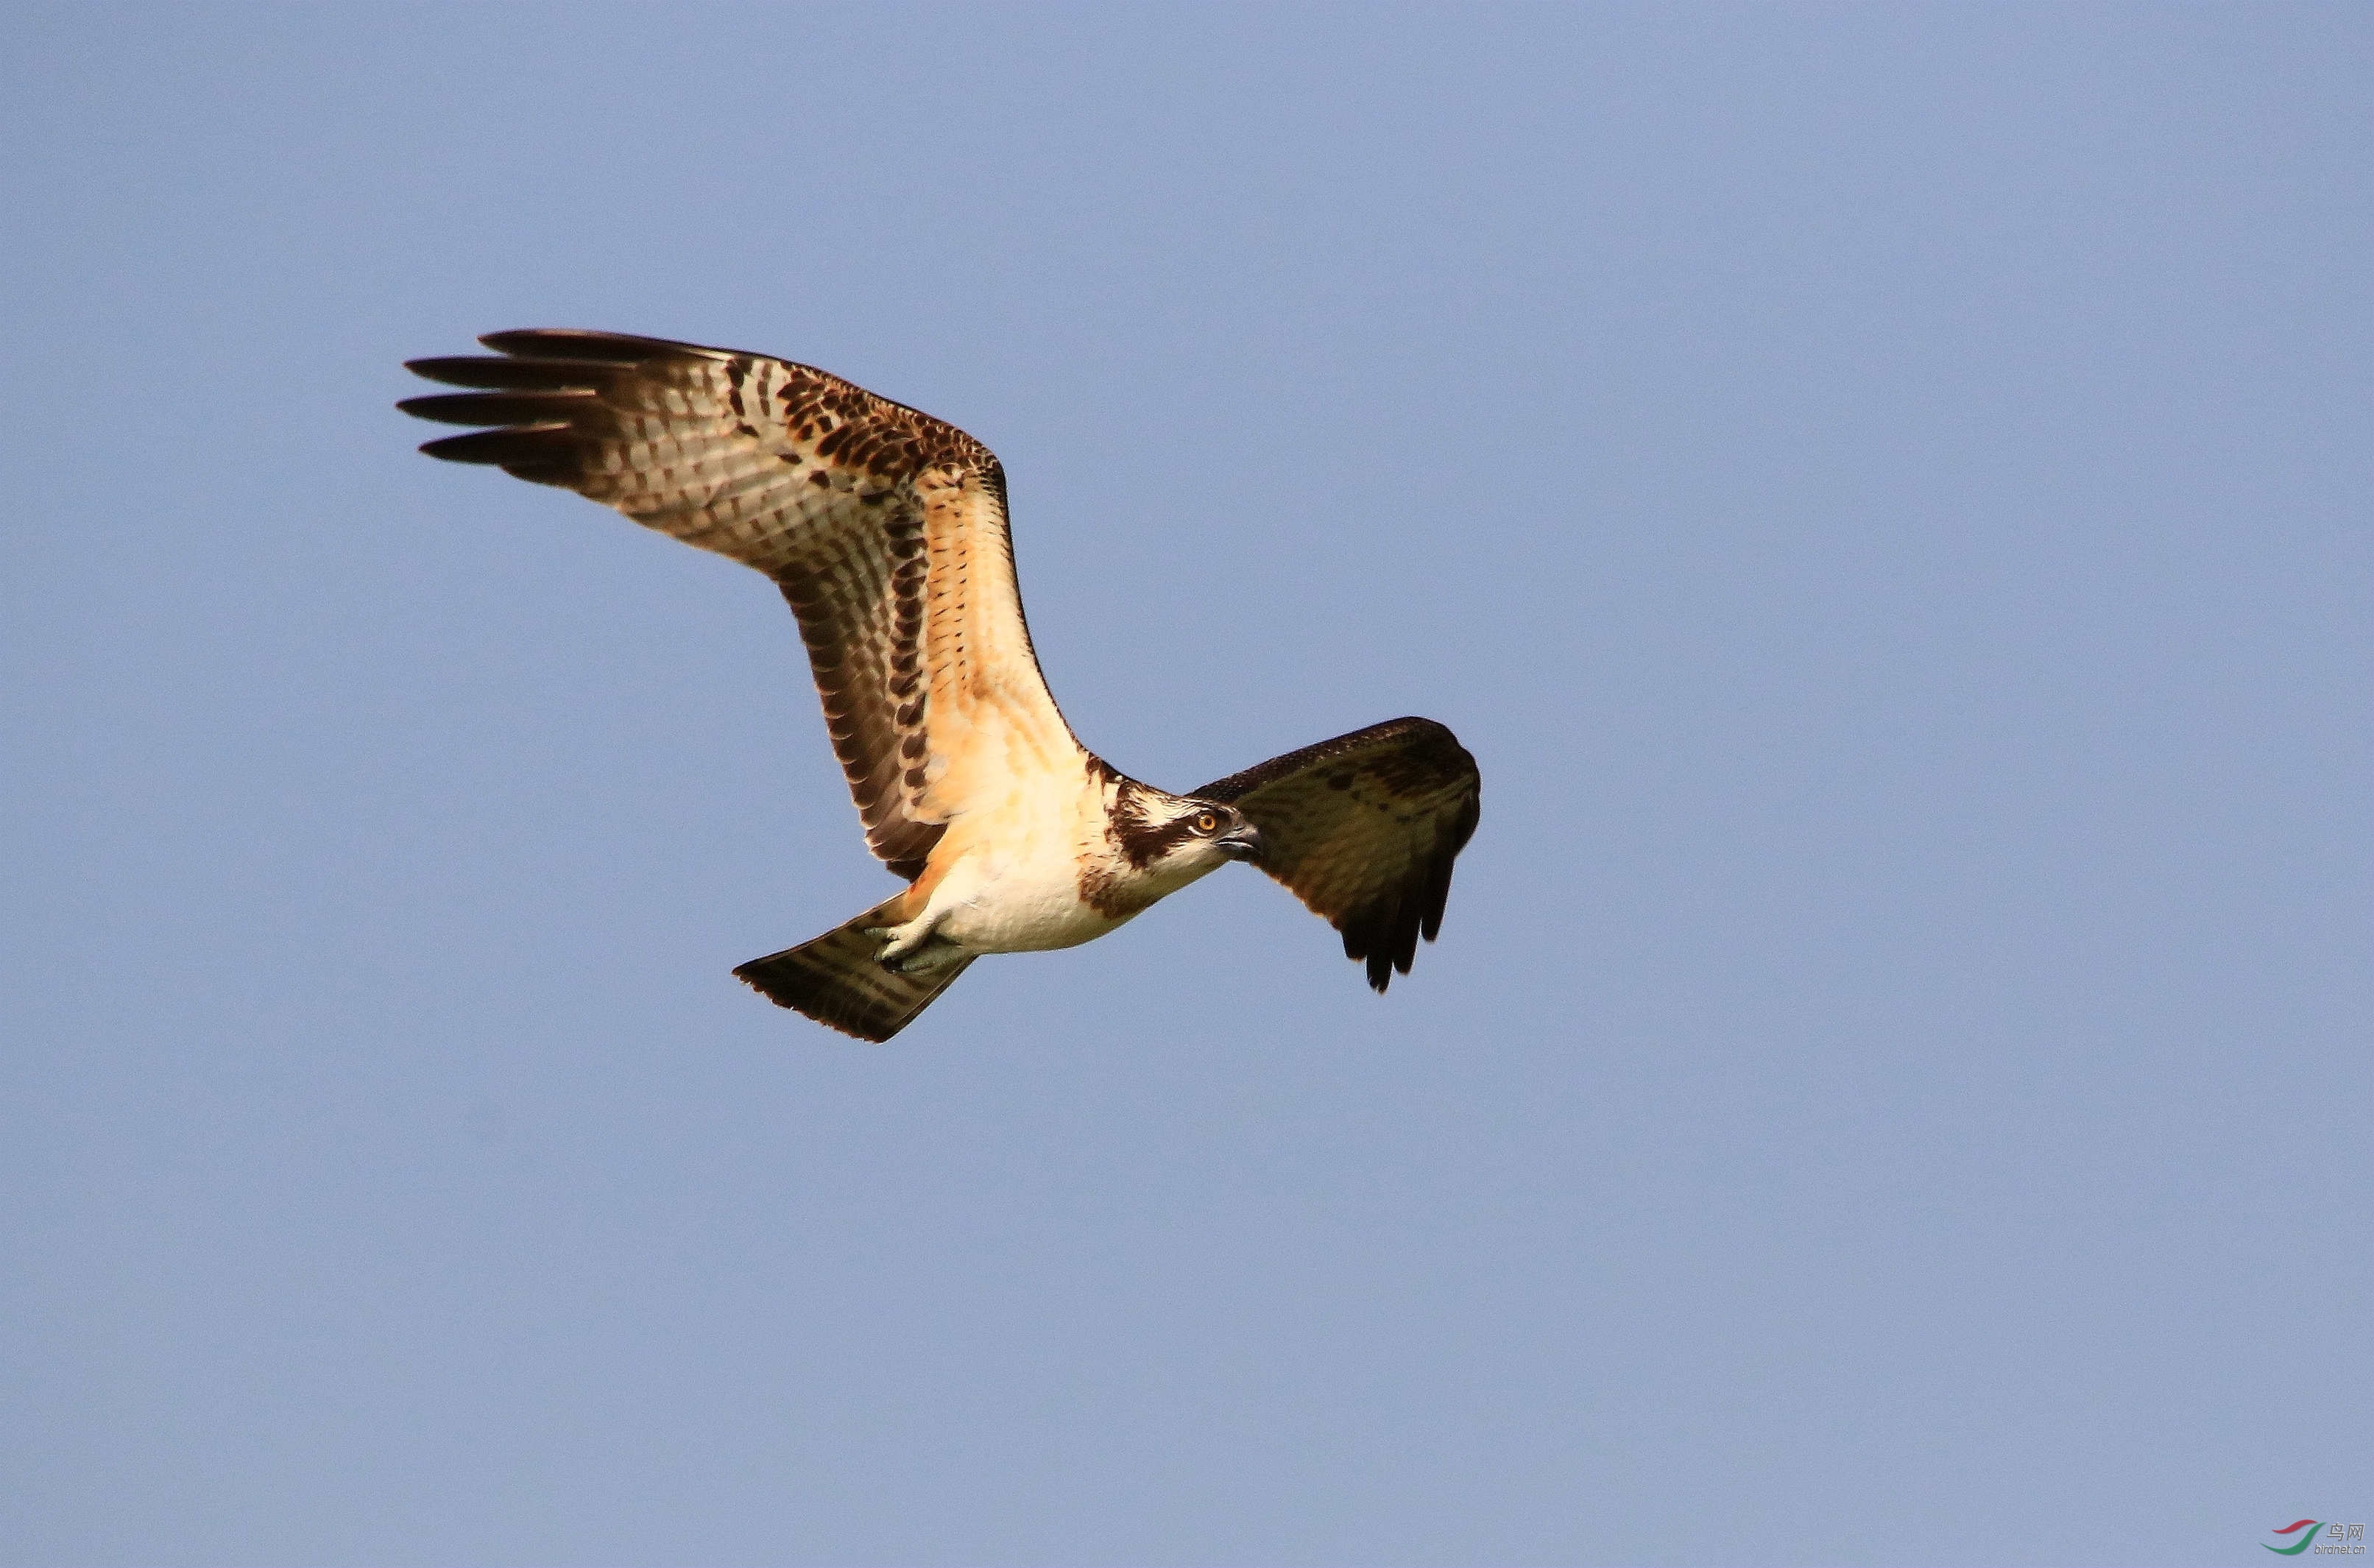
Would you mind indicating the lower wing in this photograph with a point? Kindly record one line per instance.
(1363, 829)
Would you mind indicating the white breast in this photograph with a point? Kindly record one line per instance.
(1013, 882)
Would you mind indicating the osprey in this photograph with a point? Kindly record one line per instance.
(886, 530)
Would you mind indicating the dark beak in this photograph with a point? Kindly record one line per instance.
(1240, 844)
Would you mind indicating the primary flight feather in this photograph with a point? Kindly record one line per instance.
(886, 531)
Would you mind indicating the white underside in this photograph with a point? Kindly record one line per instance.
(1015, 864)
(994, 900)
(993, 903)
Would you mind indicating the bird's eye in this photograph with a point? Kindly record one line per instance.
(1207, 821)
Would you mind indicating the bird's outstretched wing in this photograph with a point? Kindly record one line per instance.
(1363, 829)
(885, 528)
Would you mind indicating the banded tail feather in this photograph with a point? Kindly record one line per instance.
(836, 980)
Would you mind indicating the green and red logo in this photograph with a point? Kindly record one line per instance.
(2308, 1526)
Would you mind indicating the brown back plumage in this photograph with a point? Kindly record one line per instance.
(1363, 829)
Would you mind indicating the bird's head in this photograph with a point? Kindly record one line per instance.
(1212, 828)
(1172, 835)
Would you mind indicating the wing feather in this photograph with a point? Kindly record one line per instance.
(885, 528)
(1363, 828)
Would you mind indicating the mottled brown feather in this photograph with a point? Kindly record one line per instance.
(1363, 828)
(884, 528)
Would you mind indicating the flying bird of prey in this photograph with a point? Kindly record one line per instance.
(886, 530)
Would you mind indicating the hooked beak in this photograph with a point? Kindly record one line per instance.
(1240, 844)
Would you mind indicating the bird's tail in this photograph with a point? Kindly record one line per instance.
(835, 980)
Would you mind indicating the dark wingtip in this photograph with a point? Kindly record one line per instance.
(586, 344)
(1406, 931)
(500, 447)
(491, 373)
(521, 408)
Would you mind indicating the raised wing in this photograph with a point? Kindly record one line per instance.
(1363, 829)
(885, 528)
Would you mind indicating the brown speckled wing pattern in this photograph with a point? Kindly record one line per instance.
(1363, 829)
(885, 528)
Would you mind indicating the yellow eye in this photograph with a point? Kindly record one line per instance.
(1207, 823)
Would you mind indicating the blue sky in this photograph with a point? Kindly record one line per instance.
(1884, 492)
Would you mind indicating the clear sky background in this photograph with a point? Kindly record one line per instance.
(1884, 491)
